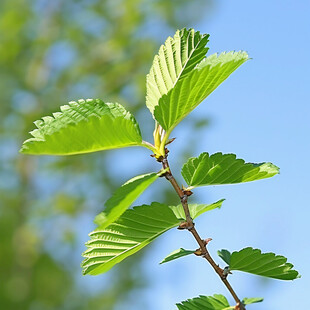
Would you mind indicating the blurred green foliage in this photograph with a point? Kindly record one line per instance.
(52, 52)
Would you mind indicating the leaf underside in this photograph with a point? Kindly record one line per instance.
(215, 302)
(132, 231)
(175, 60)
(123, 197)
(263, 264)
(224, 169)
(82, 127)
(190, 91)
(176, 254)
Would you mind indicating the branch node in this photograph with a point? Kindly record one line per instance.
(239, 306)
(226, 272)
(186, 225)
(168, 175)
(160, 159)
(187, 192)
(191, 225)
(206, 241)
(184, 198)
(183, 225)
(198, 252)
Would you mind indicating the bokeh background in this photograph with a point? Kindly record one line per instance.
(52, 52)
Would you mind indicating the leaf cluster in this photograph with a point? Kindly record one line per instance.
(181, 77)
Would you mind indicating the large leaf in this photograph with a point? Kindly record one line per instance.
(224, 169)
(124, 197)
(215, 302)
(176, 254)
(82, 127)
(195, 87)
(131, 232)
(263, 264)
(175, 60)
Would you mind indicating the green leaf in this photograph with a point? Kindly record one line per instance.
(195, 209)
(176, 254)
(224, 169)
(131, 232)
(175, 60)
(123, 197)
(189, 92)
(215, 302)
(253, 300)
(263, 264)
(82, 127)
(225, 256)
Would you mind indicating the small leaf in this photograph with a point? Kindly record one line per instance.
(215, 302)
(82, 127)
(225, 256)
(123, 197)
(175, 60)
(263, 264)
(224, 169)
(195, 209)
(131, 232)
(189, 92)
(253, 300)
(176, 254)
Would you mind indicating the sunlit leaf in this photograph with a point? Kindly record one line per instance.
(176, 254)
(215, 302)
(189, 92)
(82, 127)
(263, 264)
(196, 209)
(175, 60)
(123, 197)
(224, 169)
(253, 300)
(131, 232)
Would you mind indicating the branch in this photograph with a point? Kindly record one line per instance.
(190, 226)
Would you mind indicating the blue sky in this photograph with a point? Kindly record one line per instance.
(261, 113)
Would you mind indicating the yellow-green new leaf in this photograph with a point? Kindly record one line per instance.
(224, 169)
(123, 197)
(263, 264)
(215, 302)
(175, 60)
(189, 92)
(82, 127)
(131, 232)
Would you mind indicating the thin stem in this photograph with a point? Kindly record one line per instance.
(190, 226)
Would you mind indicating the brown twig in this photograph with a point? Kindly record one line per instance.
(190, 226)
